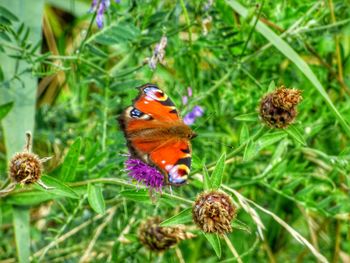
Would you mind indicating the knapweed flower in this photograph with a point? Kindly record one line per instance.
(157, 238)
(26, 167)
(101, 6)
(158, 53)
(144, 173)
(213, 212)
(190, 117)
(278, 108)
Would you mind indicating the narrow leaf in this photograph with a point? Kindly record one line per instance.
(59, 188)
(216, 176)
(8, 14)
(136, 195)
(250, 151)
(247, 117)
(294, 132)
(71, 161)
(206, 181)
(185, 216)
(214, 241)
(244, 136)
(30, 198)
(95, 198)
(5, 108)
(21, 225)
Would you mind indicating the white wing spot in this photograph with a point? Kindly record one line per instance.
(163, 162)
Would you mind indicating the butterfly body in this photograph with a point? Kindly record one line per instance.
(157, 135)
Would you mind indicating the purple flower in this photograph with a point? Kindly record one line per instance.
(190, 117)
(184, 100)
(145, 174)
(101, 8)
(158, 53)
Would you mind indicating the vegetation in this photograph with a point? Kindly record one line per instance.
(66, 74)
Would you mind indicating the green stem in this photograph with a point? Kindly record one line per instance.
(187, 18)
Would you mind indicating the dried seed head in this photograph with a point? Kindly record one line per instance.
(278, 108)
(157, 238)
(213, 212)
(25, 168)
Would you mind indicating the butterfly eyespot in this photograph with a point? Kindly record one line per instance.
(178, 174)
(135, 113)
(154, 93)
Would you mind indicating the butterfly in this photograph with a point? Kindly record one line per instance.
(157, 135)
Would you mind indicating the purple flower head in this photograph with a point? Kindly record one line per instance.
(145, 174)
(191, 117)
(101, 8)
(184, 100)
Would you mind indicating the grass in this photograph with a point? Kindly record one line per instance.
(291, 186)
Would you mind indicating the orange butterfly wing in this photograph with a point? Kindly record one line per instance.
(157, 135)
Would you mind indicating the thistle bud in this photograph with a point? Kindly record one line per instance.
(157, 238)
(213, 212)
(278, 108)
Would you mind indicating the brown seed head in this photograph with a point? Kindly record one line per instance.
(157, 238)
(25, 168)
(213, 212)
(278, 108)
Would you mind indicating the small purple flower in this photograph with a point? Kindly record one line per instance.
(145, 174)
(189, 91)
(185, 98)
(158, 53)
(190, 117)
(101, 8)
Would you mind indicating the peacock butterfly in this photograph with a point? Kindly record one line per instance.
(157, 135)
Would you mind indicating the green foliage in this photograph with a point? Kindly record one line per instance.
(72, 80)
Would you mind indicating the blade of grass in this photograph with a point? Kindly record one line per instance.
(290, 53)
(21, 226)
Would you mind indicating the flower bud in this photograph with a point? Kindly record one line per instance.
(213, 212)
(278, 108)
(157, 238)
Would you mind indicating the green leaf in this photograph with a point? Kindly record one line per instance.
(136, 195)
(272, 86)
(21, 224)
(247, 117)
(216, 176)
(95, 198)
(71, 161)
(250, 151)
(59, 188)
(5, 108)
(30, 198)
(290, 53)
(206, 181)
(185, 216)
(214, 241)
(269, 139)
(8, 14)
(295, 132)
(244, 136)
(115, 33)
